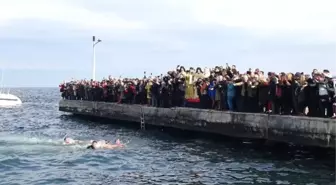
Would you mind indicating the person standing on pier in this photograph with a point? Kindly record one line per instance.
(212, 92)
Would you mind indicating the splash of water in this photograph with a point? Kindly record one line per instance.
(29, 144)
(24, 140)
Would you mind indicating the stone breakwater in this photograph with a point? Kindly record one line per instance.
(290, 129)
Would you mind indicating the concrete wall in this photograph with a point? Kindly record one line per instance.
(290, 129)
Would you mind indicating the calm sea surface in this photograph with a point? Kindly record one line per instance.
(31, 152)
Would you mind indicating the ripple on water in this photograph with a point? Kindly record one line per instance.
(17, 164)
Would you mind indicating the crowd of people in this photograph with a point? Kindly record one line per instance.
(221, 88)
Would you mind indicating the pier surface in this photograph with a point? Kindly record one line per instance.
(290, 129)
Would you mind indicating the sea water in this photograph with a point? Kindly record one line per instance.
(32, 152)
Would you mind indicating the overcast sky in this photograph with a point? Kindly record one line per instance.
(44, 42)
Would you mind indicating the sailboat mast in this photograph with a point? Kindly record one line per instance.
(1, 82)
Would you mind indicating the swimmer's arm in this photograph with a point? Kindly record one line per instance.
(112, 146)
(78, 142)
(83, 142)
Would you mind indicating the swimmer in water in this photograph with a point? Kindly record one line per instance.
(69, 141)
(103, 144)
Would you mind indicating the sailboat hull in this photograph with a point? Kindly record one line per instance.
(9, 100)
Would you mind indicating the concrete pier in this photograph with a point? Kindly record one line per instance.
(290, 129)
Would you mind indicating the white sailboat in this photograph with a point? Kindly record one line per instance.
(7, 99)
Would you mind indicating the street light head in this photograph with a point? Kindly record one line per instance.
(99, 40)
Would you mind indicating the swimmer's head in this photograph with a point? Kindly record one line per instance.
(68, 140)
(94, 145)
(117, 142)
(90, 147)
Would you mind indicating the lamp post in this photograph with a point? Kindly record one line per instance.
(94, 43)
